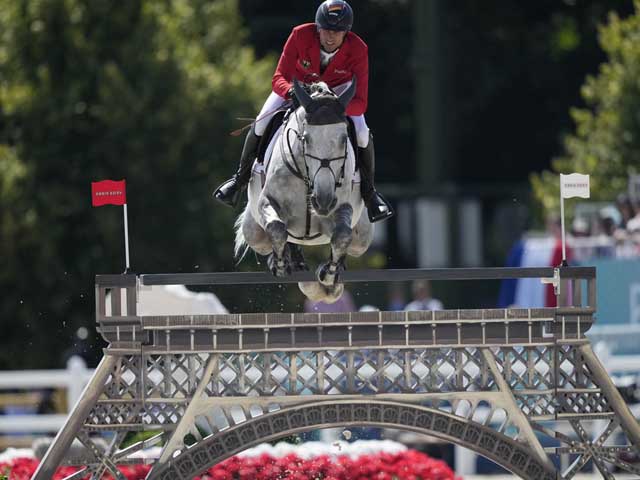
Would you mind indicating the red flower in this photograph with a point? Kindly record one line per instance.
(407, 465)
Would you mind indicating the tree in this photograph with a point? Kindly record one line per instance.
(606, 140)
(95, 89)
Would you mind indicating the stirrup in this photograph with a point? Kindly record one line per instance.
(378, 208)
(229, 192)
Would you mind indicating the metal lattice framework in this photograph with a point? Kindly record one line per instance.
(519, 386)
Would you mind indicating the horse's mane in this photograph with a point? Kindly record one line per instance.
(320, 90)
(327, 106)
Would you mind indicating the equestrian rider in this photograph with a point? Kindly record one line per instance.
(330, 52)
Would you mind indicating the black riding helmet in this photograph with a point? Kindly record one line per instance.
(334, 15)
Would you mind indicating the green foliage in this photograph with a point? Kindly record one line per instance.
(96, 89)
(606, 140)
(134, 437)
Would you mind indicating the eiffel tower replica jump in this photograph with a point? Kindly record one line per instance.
(520, 386)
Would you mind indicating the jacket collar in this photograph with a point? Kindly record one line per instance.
(314, 53)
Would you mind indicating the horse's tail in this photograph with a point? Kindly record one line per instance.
(240, 247)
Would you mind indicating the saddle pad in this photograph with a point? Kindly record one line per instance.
(262, 167)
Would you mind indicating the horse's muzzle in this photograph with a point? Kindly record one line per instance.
(320, 209)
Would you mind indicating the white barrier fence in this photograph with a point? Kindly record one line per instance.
(72, 380)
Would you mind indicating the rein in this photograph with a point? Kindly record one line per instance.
(294, 168)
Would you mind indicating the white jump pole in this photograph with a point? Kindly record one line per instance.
(126, 239)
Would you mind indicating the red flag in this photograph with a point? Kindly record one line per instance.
(108, 192)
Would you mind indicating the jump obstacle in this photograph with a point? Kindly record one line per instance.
(520, 386)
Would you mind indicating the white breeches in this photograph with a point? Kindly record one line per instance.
(362, 131)
(275, 101)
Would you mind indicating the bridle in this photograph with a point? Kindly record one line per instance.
(305, 176)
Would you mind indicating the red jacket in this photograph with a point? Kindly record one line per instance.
(301, 59)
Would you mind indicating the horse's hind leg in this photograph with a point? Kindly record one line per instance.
(328, 273)
(298, 263)
(255, 236)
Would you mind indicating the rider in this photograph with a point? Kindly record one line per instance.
(330, 52)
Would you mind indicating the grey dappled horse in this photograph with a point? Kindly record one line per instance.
(309, 196)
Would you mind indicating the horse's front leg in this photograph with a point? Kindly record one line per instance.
(329, 273)
(279, 261)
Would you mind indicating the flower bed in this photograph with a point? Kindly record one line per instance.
(268, 465)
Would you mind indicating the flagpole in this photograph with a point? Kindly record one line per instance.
(564, 246)
(126, 238)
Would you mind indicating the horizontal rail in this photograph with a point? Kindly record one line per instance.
(24, 379)
(345, 319)
(391, 275)
(42, 423)
(279, 331)
(110, 280)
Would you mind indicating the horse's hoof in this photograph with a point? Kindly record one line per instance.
(317, 292)
(278, 268)
(282, 272)
(325, 275)
(299, 267)
(337, 277)
(333, 293)
(328, 274)
(313, 291)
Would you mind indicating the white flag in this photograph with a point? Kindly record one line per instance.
(574, 185)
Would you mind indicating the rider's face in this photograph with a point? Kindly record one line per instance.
(331, 39)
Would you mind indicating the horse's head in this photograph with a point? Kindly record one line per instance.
(325, 142)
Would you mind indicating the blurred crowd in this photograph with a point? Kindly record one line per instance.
(606, 230)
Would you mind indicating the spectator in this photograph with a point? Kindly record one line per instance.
(633, 224)
(422, 299)
(396, 297)
(369, 308)
(580, 227)
(626, 209)
(610, 218)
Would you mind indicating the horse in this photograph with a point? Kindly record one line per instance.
(309, 196)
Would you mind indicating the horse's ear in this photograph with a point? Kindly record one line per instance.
(347, 95)
(301, 94)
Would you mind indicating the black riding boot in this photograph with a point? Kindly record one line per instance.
(377, 207)
(229, 192)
